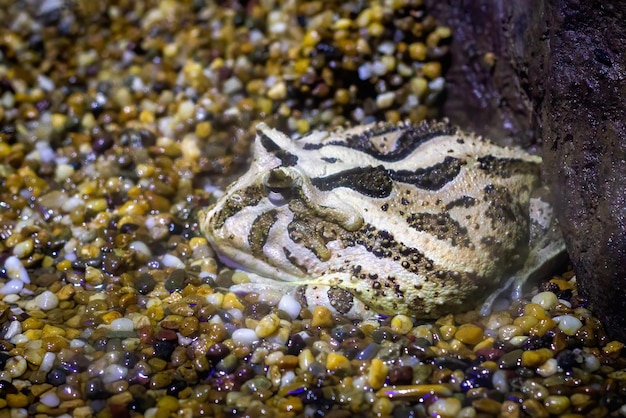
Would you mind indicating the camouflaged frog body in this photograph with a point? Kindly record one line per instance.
(421, 220)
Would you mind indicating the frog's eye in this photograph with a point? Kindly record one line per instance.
(279, 186)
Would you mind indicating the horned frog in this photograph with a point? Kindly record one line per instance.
(422, 220)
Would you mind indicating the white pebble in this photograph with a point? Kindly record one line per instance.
(76, 343)
(290, 305)
(12, 287)
(15, 366)
(590, 363)
(121, 324)
(500, 381)
(548, 368)
(47, 362)
(170, 260)
(245, 336)
(50, 399)
(14, 328)
(45, 83)
(47, 300)
(568, 324)
(16, 270)
(113, 373)
(547, 300)
(448, 407)
(437, 84)
(385, 100)
(140, 247)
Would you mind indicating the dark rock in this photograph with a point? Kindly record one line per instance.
(484, 91)
(558, 78)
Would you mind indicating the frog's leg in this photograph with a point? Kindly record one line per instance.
(547, 252)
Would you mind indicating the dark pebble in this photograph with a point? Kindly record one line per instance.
(490, 354)
(535, 342)
(217, 351)
(114, 344)
(511, 359)
(451, 363)
(525, 372)
(130, 359)
(383, 333)
(166, 335)
(243, 374)
(163, 349)
(142, 403)
(401, 375)
(295, 344)
(57, 377)
(102, 140)
(94, 389)
(175, 387)
(176, 280)
(112, 263)
(568, 359)
(7, 388)
(78, 363)
(256, 310)
(3, 359)
(477, 377)
(368, 352)
(145, 283)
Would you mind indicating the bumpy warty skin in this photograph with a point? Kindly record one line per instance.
(421, 220)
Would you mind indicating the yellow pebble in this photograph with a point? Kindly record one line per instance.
(32, 323)
(336, 361)
(417, 51)
(169, 403)
(33, 334)
(432, 69)
(146, 116)
(311, 38)
(447, 331)
(231, 301)
(267, 325)
(534, 309)
(534, 358)
(556, 405)
(469, 334)
(383, 407)
(16, 400)
(291, 404)
(204, 129)
(525, 322)
(52, 331)
(614, 347)
(543, 326)
(377, 374)
(563, 284)
(322, 317)
(303, 126)
(109, 317)
(401, 324)
(486, 343)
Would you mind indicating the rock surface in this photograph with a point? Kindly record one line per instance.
(560, 74)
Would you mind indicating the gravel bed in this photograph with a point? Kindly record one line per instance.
(119, 121)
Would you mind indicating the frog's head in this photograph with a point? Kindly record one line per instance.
(281, 200)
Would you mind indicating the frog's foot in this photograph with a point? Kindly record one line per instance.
(490, 302)
(322, 291)
(548, 254)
